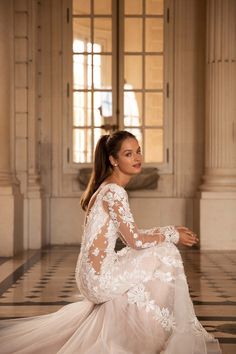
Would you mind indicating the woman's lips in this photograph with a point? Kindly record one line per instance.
(137, 165)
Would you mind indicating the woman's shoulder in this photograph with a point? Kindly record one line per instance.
(113, 187)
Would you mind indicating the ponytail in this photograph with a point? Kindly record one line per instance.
(101, 170)
(107, 145)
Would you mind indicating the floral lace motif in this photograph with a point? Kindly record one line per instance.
(172, 262)
(111, 213)
(96, 252)
(141, 298)
(170, 233)
(119, 211)
(165, 277)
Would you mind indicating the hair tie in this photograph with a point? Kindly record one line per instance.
(108, 137)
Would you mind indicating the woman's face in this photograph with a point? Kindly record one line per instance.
(129, 157)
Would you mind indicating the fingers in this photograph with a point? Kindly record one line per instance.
(192, 240)
(188, 243)
(182, 228)
(186, 230)
(192, 235)
(187, 236)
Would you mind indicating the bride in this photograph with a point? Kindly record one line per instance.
(137, 299)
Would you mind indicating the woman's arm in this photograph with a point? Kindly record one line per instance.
(115, 202)
(186, 236)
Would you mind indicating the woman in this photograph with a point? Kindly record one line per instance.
(136, 300)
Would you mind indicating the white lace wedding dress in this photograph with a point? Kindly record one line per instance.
(136, 300)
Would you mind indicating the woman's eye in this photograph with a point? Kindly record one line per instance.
(128, 154)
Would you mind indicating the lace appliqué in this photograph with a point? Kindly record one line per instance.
(109, 218)
(170, 233)
(172, 262)
(151, 231)
(140, 244)
(165, 277)
(96, 252)
(137, 295)
(122, 217)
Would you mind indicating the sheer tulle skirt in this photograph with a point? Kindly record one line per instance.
(129, 323)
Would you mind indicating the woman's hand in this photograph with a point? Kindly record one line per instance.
(186, 236)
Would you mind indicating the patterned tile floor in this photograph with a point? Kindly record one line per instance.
(39, 282)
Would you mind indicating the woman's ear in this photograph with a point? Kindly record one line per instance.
(112, 161)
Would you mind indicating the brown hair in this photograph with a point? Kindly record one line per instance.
(107, 145)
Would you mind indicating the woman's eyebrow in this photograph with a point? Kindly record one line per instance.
(128, 150)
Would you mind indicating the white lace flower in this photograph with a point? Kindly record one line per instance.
(171, 261)
(163, 276)
(109, 196)
(171, 234)
(164, 317)
(149, 244)
(141, 298)
(150, 306)
(138, 243)
(138, 295)
(126, 216)
(96, 252)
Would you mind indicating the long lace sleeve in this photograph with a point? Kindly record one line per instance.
(115, 202)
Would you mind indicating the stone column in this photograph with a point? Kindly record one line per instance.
(34, 190)
(10, 199)
(218, 191)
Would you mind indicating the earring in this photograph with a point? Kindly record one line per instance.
(116, 164)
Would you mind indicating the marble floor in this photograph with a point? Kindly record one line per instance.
(39, 282)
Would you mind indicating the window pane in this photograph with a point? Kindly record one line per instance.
(153, 145)
(154, 71)
(102, 33)
(102, 7)
(133, 7)
(133, 38)
(97, 71)
(102, 108)
(154, 7)
(81, 34)
(82, 71)
(154, 108)
(133, 71)
(81, 7)
(82, 108)
(132, 108)
(154, 35)
(78, 71)
(102, 71)
(82, 150)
